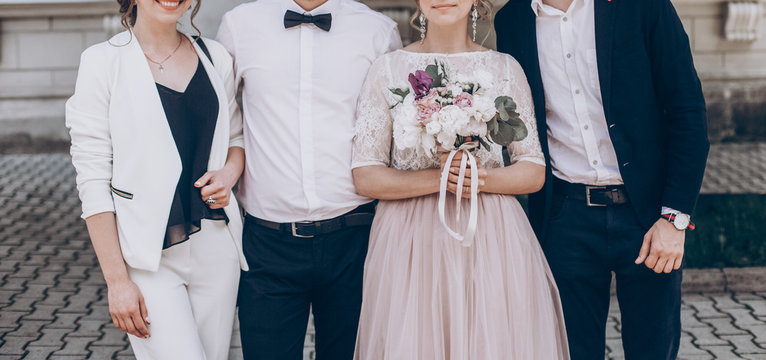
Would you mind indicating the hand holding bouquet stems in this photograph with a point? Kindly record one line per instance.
(454, 174)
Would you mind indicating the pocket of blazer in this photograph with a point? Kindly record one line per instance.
(120, 193)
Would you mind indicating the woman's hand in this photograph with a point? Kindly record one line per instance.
(127, 308)
(217, 185)
(454, 174)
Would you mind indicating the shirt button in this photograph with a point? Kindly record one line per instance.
(577, 91)
(595, 162)
(586, 127)
(569, 56)
(565, 19)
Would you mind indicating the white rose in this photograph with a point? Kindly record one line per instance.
(406, 135)
(446, 140)
(474, 128)
(433, 127)
(453, 118)
(484, 108)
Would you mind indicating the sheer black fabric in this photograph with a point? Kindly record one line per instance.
(192, 116)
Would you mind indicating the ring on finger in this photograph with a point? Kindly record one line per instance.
(210, 200)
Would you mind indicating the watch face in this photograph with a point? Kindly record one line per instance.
(681, 222)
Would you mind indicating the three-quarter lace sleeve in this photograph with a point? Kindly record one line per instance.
(529, 148)
(373, 132)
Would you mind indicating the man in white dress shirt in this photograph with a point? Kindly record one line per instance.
(621, 118)
(302, 64)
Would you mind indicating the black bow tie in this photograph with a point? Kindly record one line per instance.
(322, 21)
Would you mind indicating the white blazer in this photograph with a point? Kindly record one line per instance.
(123, 150)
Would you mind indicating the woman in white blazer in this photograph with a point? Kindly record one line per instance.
(157, 145)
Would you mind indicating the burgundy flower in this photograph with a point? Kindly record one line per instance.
(421, 83)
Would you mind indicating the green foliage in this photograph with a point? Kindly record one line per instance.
(731, 232)
(507, 126)
(438, 72)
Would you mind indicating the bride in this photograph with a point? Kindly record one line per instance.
(426, 295)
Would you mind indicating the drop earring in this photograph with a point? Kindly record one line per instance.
(474, 17)
(422, 20)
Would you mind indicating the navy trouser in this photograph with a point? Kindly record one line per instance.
(584, 245)
(289, 276)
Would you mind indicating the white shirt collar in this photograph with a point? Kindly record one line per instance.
(537, 5)
(325, 8)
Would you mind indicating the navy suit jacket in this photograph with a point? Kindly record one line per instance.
(652, 98)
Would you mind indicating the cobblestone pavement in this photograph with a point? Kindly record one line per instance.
(53, 297)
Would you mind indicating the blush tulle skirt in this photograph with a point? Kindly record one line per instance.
(426, 297)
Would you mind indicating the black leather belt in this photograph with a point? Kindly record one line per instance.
(361, 216)
(592, 195)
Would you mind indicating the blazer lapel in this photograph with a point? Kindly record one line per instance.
(605, 20)
(146, 105)
(219, 148)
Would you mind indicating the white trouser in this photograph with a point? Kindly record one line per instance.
(191, 298)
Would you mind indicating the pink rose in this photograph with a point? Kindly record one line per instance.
(464, 100)
(427, 106)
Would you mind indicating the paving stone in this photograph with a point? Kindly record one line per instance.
(724, 326)
(65, 321)
(112, 337)
(10, 319)
(689, 319)
(20, 304)
(687, 349)
(721, 352)
(744, 317)
(725, 302)
(40, 352)
(744, 345)
(76, 346)
(705, 336)
(14, 345)
(42, 312)
(28, 329)
(51, 337)
(103, 352)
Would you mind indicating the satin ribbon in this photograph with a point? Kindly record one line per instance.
(466, 238)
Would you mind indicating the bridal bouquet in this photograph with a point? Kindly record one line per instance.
(438, 113)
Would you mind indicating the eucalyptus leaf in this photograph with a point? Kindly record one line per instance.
(508, 126)
(433, 72)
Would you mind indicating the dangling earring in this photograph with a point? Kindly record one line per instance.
(474, 17)
(422, 20)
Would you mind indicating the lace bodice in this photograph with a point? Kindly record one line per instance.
(498, 73)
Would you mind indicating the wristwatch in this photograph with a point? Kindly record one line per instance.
(680, 220)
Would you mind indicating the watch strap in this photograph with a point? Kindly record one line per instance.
(672, 218)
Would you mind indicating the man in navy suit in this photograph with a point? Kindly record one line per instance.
(622, 122)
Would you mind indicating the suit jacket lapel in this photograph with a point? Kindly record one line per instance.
(605, 20)
(219, 148)
(146, 110)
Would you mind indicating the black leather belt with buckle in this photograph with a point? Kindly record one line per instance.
(361, 216)
(592, 195)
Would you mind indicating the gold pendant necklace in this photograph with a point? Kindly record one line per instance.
(161, 64)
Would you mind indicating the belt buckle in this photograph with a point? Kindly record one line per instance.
(588, 188)
(295, 233)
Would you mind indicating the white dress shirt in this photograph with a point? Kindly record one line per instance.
(299, 100)
(580, 147)
(578, 138)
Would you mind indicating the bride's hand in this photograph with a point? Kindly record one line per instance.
(454, 174)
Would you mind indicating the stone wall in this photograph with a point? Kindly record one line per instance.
(40, 43)
(40, 48)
